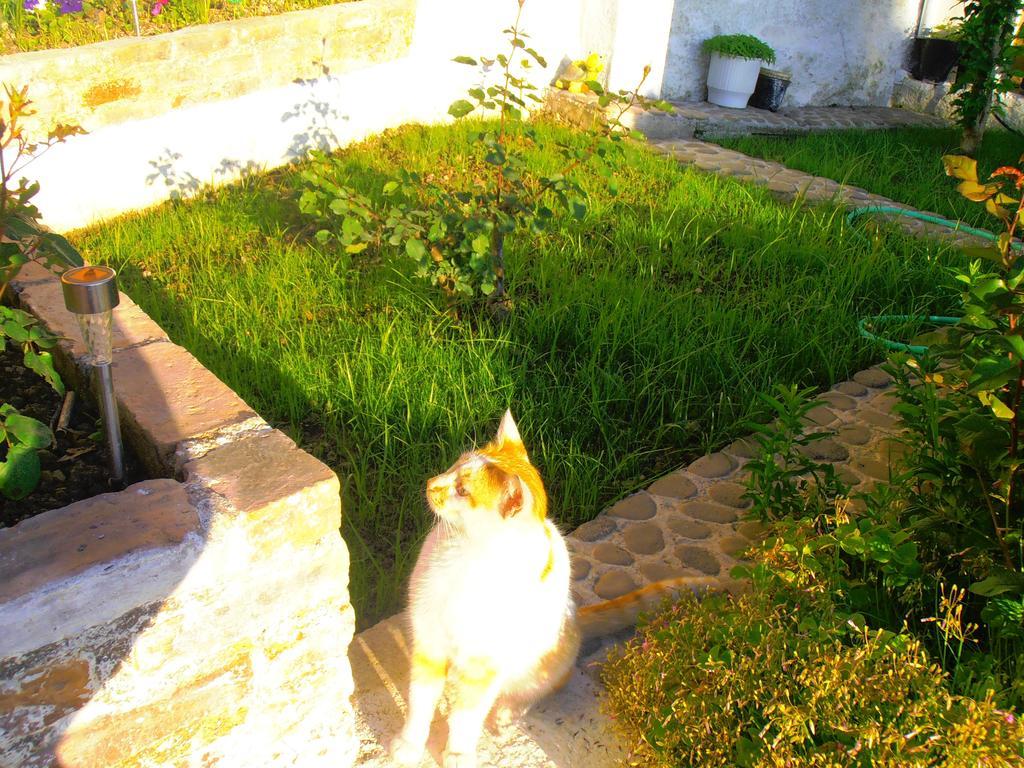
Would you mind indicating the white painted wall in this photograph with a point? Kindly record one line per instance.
(838, 52)
(134, 165)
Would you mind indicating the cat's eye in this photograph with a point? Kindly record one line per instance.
(460, 489)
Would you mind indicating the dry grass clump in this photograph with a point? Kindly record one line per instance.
(751, 681)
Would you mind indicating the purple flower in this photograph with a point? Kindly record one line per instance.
(33, 5)
(70, 6)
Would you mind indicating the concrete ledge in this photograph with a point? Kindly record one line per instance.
(173, 623)
(135, 78)
(62, 543)
(937, 99)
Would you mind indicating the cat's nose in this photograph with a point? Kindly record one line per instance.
(435, 492)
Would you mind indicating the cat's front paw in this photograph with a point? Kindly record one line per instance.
(404, 752)
(459, 760)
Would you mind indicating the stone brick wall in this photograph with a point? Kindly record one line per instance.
(136, 78)
(198, 619)
(936, 99)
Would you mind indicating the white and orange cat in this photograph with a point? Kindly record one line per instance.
(491, 613)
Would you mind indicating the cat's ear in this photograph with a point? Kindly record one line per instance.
(512, 499)
(508, 432)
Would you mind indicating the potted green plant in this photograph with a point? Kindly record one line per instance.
(734, 66)
(935, 54)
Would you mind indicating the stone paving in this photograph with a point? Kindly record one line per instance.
(789, 185)
(701, 119)
(689, 524)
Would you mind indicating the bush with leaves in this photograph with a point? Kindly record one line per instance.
(986, 61)
(740, 47)
(815, 665)
(961, 493)
(456, 237)
(24, 239)
(774, 678)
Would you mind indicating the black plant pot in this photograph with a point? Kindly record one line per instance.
(932, 58)
(770, 90)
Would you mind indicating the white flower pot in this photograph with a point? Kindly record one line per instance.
(731, 80)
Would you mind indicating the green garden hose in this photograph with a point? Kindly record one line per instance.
(897, 346)
(957, 226)
(865, 323)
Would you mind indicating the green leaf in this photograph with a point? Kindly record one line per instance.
(356, 247)
(537, 57)
(16, 228)
(992, 373)
(460, 108)
(351, 228)
(42, 363)
(1000, 409)
(998, 584)
(322, 236)
(19, 474)
(390, 187)
(578, 209)
(465, 60)
(481, 244)
(14, 330)
(415, 249)
(28, 431)
(595, 86)
(53, 245)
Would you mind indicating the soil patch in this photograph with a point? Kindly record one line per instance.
(75, 467)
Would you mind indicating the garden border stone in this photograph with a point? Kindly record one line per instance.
(202, 616)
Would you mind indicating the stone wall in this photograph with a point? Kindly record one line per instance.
(173, 113)
(837, 53)
(135, 78)
(218, 102)
(936, 99)
(198, 619)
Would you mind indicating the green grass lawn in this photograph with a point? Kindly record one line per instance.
(903, 164)
(639, 338)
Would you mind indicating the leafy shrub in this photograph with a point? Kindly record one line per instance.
(985, 55)
(790, 674)
(762, 681)
(24, 239)
(961, 496)
(741, 47)
(456, 237)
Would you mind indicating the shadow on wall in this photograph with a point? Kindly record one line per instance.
(314, 117)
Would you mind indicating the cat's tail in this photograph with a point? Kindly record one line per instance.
(610, 616)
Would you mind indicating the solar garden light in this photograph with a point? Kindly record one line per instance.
(90, 292)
